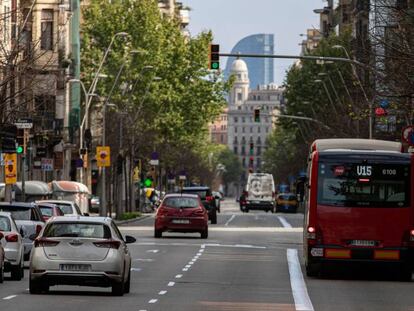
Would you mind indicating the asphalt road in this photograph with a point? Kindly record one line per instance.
(250, 262)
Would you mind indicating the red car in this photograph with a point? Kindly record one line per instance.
(181, 213)
(49, 210)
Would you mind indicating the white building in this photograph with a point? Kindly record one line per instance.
(246, 137)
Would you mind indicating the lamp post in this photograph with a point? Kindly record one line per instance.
(327, 93)
(324, 74)
(370, 117)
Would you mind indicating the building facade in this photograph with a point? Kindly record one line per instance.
(218, 129)
(261, 69)
(246, 136)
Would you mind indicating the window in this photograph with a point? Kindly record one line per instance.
(251, 129)
(239, 96)
(259, 150)
(259, 129)
(235, 129)
(243, 129)
(221, 138)
(243, 150)
(235, 149)
(236, 120)
(46, 37)
(243, 119)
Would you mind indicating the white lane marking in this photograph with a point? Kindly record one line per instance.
(136, 269)
(171, 284)
(153, 251)
(187, 266)
(144, 259)
(191, 262)
(153, 301)
(9, 297)
(284, 222)
(221, 229)
(178, 276)
(202, 248)
(299, 290)
(230, 220)
(185, 269)
(163, 292)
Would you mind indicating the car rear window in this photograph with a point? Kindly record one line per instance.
(201, 193)
(181, 202)
(77, 230)
(21, 212)
(5, 224)
(46, 211)
(65, 208)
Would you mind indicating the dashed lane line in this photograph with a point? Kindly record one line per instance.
(299, 290)
(230, 220)
(178, 276)
(170, 284)
(9, 297)
(284, 222)
(163, 292)
(153, 301)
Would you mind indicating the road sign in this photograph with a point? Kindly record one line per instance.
(384, 103)
(154, 162)
(103, 156)
(47, 164)
(408, 135)
(155, 156)
(10, 168)
(24, 123)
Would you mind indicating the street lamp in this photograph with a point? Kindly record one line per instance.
(327, 93)
(324, 74)
(370, 117)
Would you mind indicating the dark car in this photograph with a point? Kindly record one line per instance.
(286, 202)
(207, 199)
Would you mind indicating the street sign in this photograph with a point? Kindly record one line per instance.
(24, 123)
(10, 168)
(47, 164)
(154, 162)
(384, 103)
(103, 156)
(154, 156)
(408, 135)
(182, 177)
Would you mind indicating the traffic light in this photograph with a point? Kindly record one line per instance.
(8, 134)
(214, 57)
(251, 148)
(20, 141)
(257, 115)
(251, 160)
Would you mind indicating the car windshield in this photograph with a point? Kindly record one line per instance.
(364, 185)
(5, 224)
(181, 202)
(46, 211)
(65, 208)
(77, 230)
(19, 212)
(201, 193)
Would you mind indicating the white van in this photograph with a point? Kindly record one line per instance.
(260, 192)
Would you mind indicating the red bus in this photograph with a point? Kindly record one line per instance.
(359, 205)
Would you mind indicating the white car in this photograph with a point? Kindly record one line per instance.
(83, 251)
(12, 243)
(68, 208)
(1, 260)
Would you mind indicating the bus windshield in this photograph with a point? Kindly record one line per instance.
(363, 184)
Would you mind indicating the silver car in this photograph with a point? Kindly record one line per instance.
(68, 208)
(1, 260)
(29, 221)
(78, 250)
(12, 243)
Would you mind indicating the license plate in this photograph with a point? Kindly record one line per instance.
(180, 221)
(363, 243)
(256, 202)
(75, 267)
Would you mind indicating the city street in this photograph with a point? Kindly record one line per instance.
(249, 262)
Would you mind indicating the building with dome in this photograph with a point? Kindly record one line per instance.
(245, 137)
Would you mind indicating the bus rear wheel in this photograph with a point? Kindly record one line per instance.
(405, 273)
(313, 270)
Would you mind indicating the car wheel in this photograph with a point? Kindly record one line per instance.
(118, 288)
(204, 234)
(214, 218)
(157, 233)
(37, 287)
(127, 286)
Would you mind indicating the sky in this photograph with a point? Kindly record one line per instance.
(232, 20)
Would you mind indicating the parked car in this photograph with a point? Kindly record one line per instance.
(1, 260)
(94, 208)
(69, 208)
(286, 202)
(49, 210)
(181, 213)
(12, 243)
(218, 197)
(260, 192)
(29, 221)
(206, 198)
(83, 251)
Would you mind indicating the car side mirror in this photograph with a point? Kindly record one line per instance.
(130, 239)
(85, 214)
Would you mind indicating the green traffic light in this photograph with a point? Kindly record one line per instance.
(215, 65)
(19, 149)
(147, 182)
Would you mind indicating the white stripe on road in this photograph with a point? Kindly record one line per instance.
(284, 222)
(171, 284)
(163, 292)
(9, 297)
(299, 290)
(231, 218)
(178, 276)
(153, 301)
(136, 269)
(153, 251)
